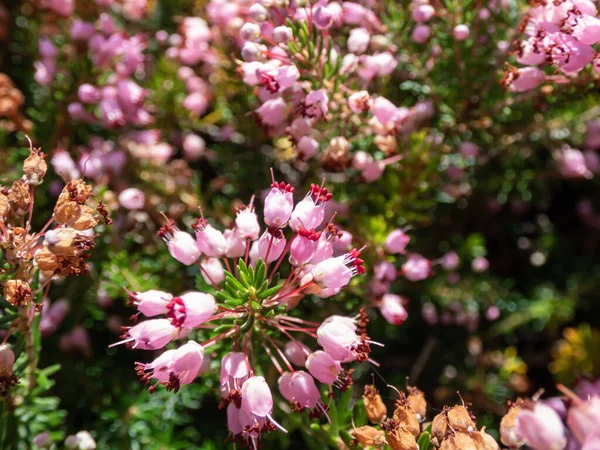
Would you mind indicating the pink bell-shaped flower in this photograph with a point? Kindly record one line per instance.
(210, 240)
(416, 267)
(256, 397)
(246, 224)
(188, 362)
(338, 340)
(212, 271)
(385, 271)
(235, 370)
(278, 205)
(151, 303)
(296, 352)
(271, 245)
(541, 427)
(392, 309)
(583, 418)
(236, 247)
(323, 367)
(336, 272)
(304, 390)
(396, 241)
(191, 310)
(151, 334)
(182, 246)
(304, 246)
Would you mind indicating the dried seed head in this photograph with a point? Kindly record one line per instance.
(405, 416)
(369, 436)
(335, 158)
(374, 406)
(46, 260)
(486, 441)
(19, 198)
(17, 292)
(416, 398)
(400, 439)
(34, 167)
(67, 242)
(7, 361)
(450, 420)
(387, 144)
(87, 220)
(460, 441)
(509, 434)
(4, 206)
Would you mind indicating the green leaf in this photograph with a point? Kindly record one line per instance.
(424, 441)
(260, 273)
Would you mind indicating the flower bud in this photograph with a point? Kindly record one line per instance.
(396, 241)
(7, 361)
(461, 32)
(282, 34)
(132, 198)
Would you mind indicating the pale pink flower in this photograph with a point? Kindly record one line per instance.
(396, 241)
(191, 310)
(541, 427)
(416, 267)
(392, 309)
(323, 367)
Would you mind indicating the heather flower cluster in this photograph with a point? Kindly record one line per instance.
(561, 34)
(252, 310)
(286, 49)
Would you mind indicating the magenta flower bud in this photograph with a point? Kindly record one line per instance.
(271, 245)
(492, 313)
(392, 309)
(423, 13)
(300, 127)
(354, 13)
(323, 367)
(583, 418)
(385, 271)
(258, 12)
(396, 241)
(272, 112)
(256, 397)
(111, 113)
(296, 352)
(210, 241)
(541, 427)
(358, 41)
(132, 198)
(191, 310)
(316, 103)
(450, 261)
(152, 334)
(193, 147)
(282, 34)
(196, 102)
(322, 17)
(573, 164)
(461, 32)
(480, 264)
(44, 72)
(361, 160)
(88, 94)
(151, 303)
(372, 171)
(42, 440)
(212, 271)
(47, 49)
(129, 94)
(183, 248)
(303, 389)
(250, 32)
(63, 8)
(246, 224)
(338, 340)
(304, 246)
(251, 51)
(420, 34)
(81, 31)
(416, 267)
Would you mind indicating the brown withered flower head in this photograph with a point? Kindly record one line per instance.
(449, 421)
(34, 167)
(416, 398)
(369, 436)
(374, 406)
(19, 198)
(17, 292)
(399, 438)
(509, 434)
(406, 416)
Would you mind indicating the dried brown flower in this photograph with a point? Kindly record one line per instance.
(509, 434)
(4, 206)
(460, 441)
(67, 242)
(7, 361)
(416, 398)
(336, 157)
(405, 416)
(374, 406)
(455, 419)
(369, 436)
(35, 167)
(17, 292)
(19, 197)
(400, 439)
